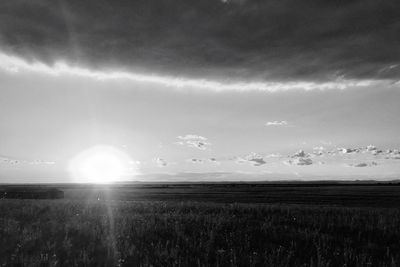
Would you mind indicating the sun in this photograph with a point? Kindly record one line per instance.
(102, 164)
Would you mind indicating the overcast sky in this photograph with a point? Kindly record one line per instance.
(201, 90)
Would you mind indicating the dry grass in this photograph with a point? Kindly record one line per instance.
(78, 233)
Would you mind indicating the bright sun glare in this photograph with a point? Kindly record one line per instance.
(102, 164)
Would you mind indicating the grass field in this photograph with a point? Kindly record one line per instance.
(101, 226)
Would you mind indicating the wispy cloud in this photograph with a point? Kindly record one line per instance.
(364, 164)
(213, 161)
(9, 161)
(192, 137)
(276, 123)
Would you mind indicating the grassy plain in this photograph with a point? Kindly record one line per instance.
(205, 225)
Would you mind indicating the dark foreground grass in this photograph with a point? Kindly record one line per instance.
(72, 233)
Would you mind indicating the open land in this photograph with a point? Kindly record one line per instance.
(208, 224)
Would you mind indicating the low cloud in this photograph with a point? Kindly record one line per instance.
(41, 162)
(214, 161)
(276, 123)
(300, 158)
(392, 154)
(160, 162)
(196, 161)
(299, 161)
(300, 154)
(364, 164)
(17, 161)
(194, 141)
(365, 156)
(203, 161)
(192, 137)
(6, 160)
(349, 150)
(273, 155)
(253, 158)
(370, 149)
(318, 150)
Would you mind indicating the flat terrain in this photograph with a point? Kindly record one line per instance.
(307, 193)
(204, 225)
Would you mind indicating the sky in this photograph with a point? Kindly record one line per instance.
(184, 90)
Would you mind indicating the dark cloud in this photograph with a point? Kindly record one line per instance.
(199, 161)
(263, 39)
(364, 164)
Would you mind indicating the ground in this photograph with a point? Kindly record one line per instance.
(202, 225)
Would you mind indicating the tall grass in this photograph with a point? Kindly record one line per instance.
(72, 233)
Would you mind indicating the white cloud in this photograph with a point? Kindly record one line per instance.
(192, 136)
(273, 155)
(204, 161)
(193, 140)
(160, 162)
(18, 161)
(214, 161)
(198, 144)
(301, 161)
(16, 65)
(6, 160)
(39, 162)
(253, 158)
(300, 154)
(318, 150)
(365, 156)
(276, 123)
(349, 150)
(300, 158)
(392, 154)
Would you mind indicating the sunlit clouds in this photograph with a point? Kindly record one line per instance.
(15, 65)
(201, 87)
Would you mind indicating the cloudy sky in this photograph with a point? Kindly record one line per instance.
(200, 90)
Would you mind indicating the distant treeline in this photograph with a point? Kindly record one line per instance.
(29, 193)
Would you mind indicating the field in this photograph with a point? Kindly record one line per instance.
(205, 225)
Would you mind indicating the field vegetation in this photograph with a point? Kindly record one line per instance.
(176, 233)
